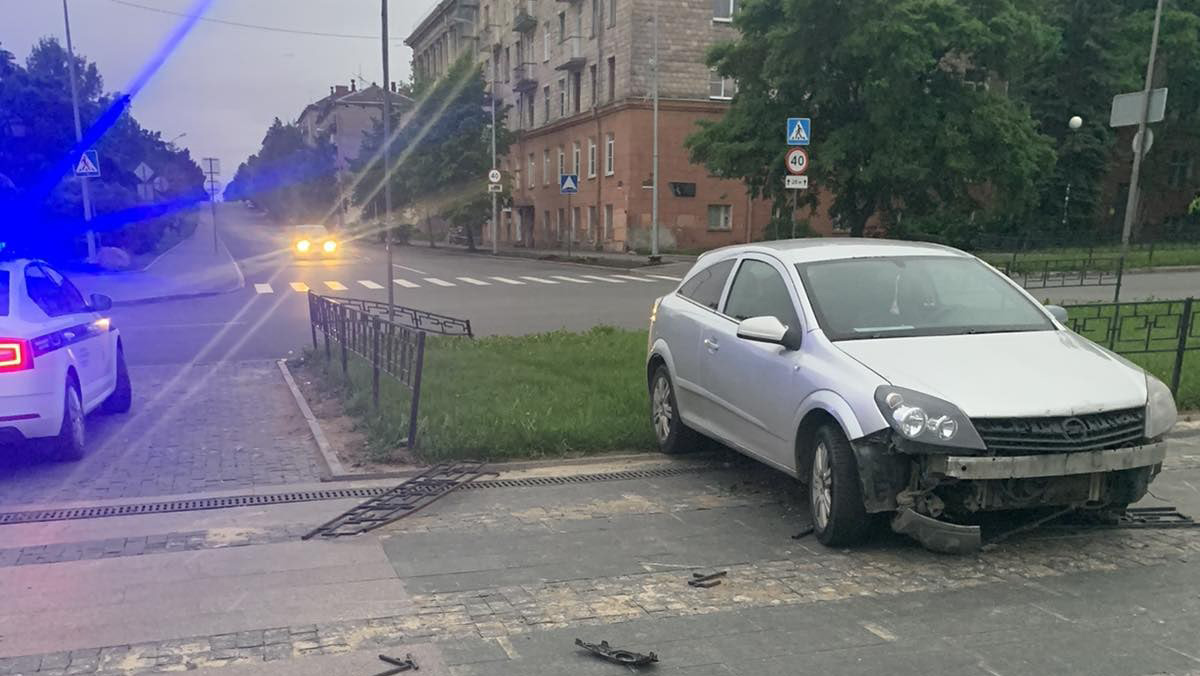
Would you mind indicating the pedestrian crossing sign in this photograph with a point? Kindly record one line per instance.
(568, 184)
(798, 131)
(88, 164)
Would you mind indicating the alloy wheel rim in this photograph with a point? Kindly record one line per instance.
(821, 487)
(662, 409)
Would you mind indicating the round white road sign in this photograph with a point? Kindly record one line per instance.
(494, 176)
(797, 161)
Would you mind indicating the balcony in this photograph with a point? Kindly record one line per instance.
(572, 54)
(525, 77)
(489, 39)
(525, 19)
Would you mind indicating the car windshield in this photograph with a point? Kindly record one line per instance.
(915, 296)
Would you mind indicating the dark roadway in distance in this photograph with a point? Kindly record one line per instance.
(268, 318)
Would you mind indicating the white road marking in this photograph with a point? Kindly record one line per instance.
(335, 286)
(571, 279)
(438, 282)
(406, 284)
(263, 288)
(634, 279)
(419, 272)
(667, 277)
(506, 280)
(610, 280)
(539, 280)
(507, 647)
(472, 280)
(369, 284)
(879, 631)
(300, 286)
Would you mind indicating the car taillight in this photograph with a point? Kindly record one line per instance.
(15, 355)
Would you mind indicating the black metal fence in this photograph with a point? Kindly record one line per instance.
(390, 347)
(1170, 328)
(429, 322)
(1055, 273)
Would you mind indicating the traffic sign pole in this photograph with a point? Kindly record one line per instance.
(83, 181)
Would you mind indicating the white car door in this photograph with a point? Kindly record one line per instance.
(682, 326)
(72, 325)
(756, 387)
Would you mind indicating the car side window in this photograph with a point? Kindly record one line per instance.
(43, 291)
(759, 291)
(72, 298)
(705, 287)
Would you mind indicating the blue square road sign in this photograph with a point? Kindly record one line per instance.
(88, 164)
(568, 184)
(799, 131)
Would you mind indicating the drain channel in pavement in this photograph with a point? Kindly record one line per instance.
(199, 504)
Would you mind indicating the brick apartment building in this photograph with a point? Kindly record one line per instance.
(578, 77)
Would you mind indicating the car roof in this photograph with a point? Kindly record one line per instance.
(836, 248)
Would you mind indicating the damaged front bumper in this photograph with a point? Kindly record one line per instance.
(935, 535)
(1046, 465)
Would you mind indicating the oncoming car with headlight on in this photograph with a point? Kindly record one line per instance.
(900, 378)
(314, 241)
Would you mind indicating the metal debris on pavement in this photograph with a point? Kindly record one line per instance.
(406, 664)
(616, 654)
(706, 581)
(411, 496)
(804, 532)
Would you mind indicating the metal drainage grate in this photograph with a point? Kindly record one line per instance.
(199, 504)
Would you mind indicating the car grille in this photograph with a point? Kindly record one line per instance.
(1092, 432)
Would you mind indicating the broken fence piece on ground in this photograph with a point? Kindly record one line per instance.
(616, 654)
(706, 581)
(804, 532)
(406, 664)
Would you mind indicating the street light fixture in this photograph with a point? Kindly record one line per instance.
(1073, 124)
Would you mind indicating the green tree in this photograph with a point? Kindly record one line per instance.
(289, 178)
(910, 114)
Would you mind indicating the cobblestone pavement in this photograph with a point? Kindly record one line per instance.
(500, 582)
(192, 428)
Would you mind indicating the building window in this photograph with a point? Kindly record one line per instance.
(562, 217)
(720, 217)
(591, 224)
(576, 91)
(575, 159)
(529, 100)
(612, 13)
(720, 87)
(1179, 170)
(546, 167)
(562, 160)
(545, 45)
(608, 219)
(723, 10)
(546, 102)
(609, 149)
(562, 97)
(532, 169)
(507, 65)
(683, 189)
(591, 159)
(612, 78)
(562, 26)
(595, 85)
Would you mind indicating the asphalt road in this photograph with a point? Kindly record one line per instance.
(269, 317)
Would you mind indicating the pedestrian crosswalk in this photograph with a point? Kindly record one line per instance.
(463, 282)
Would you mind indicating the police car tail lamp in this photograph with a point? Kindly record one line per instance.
(15, 355)
(303, 246)
(330, 246)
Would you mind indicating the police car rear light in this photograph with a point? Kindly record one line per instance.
(15, 355)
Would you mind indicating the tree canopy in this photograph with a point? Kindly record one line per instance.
(289, 178)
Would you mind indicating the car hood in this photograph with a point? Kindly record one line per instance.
(1000, 375)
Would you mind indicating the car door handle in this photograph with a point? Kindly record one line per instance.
(712, 344)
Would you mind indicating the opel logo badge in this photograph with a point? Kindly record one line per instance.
(1074, 429)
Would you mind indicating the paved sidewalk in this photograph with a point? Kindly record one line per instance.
(191, 268)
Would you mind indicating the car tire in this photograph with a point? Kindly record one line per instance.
(72, 434)
(835, 494)
(121, 398)
(672, 435)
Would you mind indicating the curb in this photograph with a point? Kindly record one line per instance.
(517, 465)
(176, 296)
(1165, 268)
(332, 466)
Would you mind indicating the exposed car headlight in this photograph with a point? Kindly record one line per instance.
(329, 246)
(303, 246)
(1160, 408)
(926, 419)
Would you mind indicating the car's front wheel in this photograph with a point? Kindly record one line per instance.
(672, 435)
(834, 493)
(122, 395)
(72, 434)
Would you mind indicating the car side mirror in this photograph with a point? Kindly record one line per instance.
(1058, 312)
(100, 303)
(769, 329)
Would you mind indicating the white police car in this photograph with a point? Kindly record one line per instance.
(60, 359)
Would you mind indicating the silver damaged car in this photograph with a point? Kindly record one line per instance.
(900, 378)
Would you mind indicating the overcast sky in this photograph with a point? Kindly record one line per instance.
(224, 84)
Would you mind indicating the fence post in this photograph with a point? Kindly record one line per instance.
(1120, 276)
(1151, 261)
(416, 390)
(375, 361)
(342, 338)
(1185, 323)
(312, 319)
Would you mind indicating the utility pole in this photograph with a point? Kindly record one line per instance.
(654, 256)
(83, 181)
(212, 169)
(1131, 203)
(495, 214)
(387, 161)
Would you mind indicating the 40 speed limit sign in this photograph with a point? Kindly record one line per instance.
(797, 161)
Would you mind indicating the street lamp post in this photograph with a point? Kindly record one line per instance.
(1131, 202)
(1074, 124)
(654, 255)
(495, 214)
(387, 162)
(83, 181)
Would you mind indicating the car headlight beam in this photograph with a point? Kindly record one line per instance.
(926, 419)
(329, 246)
(303, 246)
